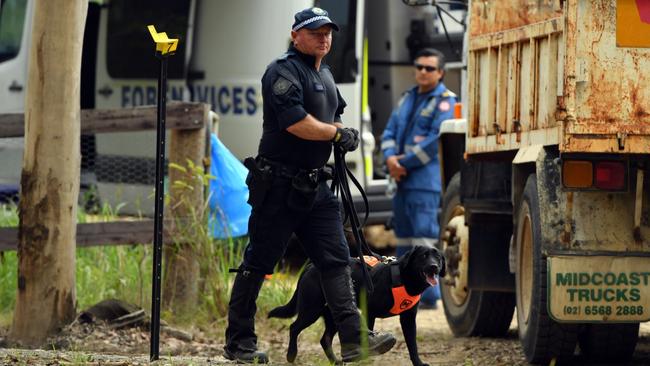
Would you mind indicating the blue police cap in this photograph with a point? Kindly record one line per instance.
(312, 18)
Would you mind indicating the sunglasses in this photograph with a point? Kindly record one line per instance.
(428, 68)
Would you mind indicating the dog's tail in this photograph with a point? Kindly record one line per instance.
(286, 311)
(290, 309)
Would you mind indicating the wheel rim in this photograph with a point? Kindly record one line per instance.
(456, 249)
(525, 270)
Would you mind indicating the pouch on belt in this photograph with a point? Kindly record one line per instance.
(304, 187)
(259, 181)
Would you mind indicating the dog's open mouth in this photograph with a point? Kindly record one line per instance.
(432, 279)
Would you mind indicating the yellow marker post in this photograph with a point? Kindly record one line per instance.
(165, 47)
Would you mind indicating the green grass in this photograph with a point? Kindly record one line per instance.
(121, 272)
(102, 272)
(124, 272)
(8, 282)
(8, 267)
(8, 216)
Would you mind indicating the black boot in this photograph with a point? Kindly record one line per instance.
(241, 341)
(339, 294)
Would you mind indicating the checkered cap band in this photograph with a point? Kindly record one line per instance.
(311, 20)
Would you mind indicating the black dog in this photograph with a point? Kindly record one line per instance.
(403, 279)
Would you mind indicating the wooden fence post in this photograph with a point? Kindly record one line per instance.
(186, 206)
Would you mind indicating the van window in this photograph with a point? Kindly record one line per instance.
(12, 20)
(130, 49)
(342, 57)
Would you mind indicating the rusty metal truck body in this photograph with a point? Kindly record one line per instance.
(548, 209)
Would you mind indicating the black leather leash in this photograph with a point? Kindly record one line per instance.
(340, 182)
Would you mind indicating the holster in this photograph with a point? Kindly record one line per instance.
(304, 186)
(259, 181)
(326, 173)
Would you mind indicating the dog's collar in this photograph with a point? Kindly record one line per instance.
(395, 275)
(372, 261)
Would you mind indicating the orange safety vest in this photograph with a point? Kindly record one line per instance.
(402, 301)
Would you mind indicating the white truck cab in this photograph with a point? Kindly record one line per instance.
(224, 49)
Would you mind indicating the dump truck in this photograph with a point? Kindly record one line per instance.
(546, 205)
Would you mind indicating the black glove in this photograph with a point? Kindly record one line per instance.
(347, 139)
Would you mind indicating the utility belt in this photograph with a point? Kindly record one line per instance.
(304, 182)
(288, 171)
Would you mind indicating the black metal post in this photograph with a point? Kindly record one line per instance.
(159, 210)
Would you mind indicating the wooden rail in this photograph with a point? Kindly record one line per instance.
(180, 116)
(96, 234)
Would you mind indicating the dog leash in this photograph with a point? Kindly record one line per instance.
(340, 182)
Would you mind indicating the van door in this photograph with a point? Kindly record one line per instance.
(344, 60)
(127, 72)
(14, 57)
(234, 42)
(127, 69)
(14, 54)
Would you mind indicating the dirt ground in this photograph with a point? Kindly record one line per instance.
(100, 346)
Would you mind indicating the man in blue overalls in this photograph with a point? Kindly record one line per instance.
(410, 147)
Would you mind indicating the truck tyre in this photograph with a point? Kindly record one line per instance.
(609, 342)
(541, 337)
(468, 312)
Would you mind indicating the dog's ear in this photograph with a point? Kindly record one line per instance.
(443, 266)
(437, 253)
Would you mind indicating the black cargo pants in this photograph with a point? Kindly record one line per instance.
(319, 228)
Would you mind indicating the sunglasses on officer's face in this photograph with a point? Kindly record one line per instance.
(427, 68)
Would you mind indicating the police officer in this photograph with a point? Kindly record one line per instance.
(288, 192)
(410, 147)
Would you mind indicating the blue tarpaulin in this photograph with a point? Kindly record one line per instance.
(229, 211)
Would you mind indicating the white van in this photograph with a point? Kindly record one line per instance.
(224, 49)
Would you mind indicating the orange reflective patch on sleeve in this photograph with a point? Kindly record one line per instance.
(402, 301)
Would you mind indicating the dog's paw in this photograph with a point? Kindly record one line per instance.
(291, 356)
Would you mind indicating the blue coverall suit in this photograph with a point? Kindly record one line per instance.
(412, 131)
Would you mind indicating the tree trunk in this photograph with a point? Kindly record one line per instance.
(46, 295)
(180, 292)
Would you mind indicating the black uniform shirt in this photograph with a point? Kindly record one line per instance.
(293, 88)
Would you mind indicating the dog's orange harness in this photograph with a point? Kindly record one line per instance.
(402, 301)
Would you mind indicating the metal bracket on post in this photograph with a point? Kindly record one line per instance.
(165, 47)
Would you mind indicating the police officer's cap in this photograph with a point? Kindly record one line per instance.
(312, 18)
